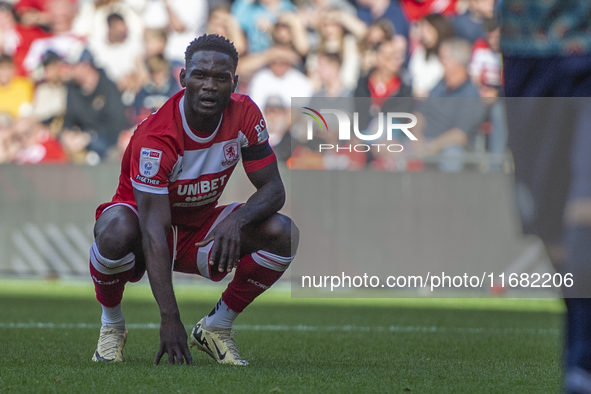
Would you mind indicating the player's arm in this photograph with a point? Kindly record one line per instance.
(266, 201)
(155, 219)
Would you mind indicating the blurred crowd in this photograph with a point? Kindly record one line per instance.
(76, 76)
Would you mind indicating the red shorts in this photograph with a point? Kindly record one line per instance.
(181, 242)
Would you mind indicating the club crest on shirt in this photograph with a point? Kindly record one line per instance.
(230, 153)
(149, 162)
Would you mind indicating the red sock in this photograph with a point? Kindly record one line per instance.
(256, 272)
(110, 276)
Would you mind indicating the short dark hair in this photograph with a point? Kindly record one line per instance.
(6, 59)
(157, 63)
(332, 57)
(212, 42)
(50, 57)
(445, 30)
(114, 17)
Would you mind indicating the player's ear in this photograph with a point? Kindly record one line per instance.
(182, 77)
(235, 83)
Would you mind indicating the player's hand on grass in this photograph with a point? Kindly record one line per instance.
(173, 341)
(225, 251)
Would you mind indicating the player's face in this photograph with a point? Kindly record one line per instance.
(209, 81)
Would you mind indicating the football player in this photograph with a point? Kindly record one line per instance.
(164, 216)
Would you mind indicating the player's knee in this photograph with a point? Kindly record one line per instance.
(117, 239)
(283, 233)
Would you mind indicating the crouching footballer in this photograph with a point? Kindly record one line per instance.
(164, 215)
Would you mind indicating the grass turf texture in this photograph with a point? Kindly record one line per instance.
(293, 345)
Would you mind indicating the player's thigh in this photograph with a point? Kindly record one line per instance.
(117, 232)
(187, 257)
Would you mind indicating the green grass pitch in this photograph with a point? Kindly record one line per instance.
(48, 332)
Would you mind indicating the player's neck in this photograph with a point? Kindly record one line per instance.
(202, 124)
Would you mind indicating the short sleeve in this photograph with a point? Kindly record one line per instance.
(152, 161)
(254, 126)
(256, 151)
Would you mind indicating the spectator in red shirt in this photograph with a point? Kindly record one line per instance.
(16, 39)
(33, 12)
(38, 145)
(415, 10)
(486, 54)
(378, 32)
(62, 40)
(385, 81)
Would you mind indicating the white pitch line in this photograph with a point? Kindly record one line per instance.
(348, 328)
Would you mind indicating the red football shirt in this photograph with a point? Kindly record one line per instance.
(416, 10)
(165, 156)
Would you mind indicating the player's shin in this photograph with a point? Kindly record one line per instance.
(256, 273)
(213, 334)
(110, 277)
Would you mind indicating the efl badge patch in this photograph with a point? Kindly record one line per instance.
(150, 162)
(230, 153)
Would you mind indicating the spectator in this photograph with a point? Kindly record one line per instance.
(33, 13)
(328, 73)
(415, 10)
(63, 41)
(370, 11)
(92, 25)
(254, 62)
(447, 125)
(154, 42)
(160, 88)
(95, 114)
(223, 23)
(385, 81)
(183, 20)
(286, 46)
(454, 55)
(16, 93)
(277, 117)
(379, 32)
(36, 144)
(291, 32)
(117, 54)
(424, 66)
(16, 39)
(280, 78)
(486, 55)
(339, 34)
(470, 25)
(312, 12)
(257, 19)
(49, 102)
